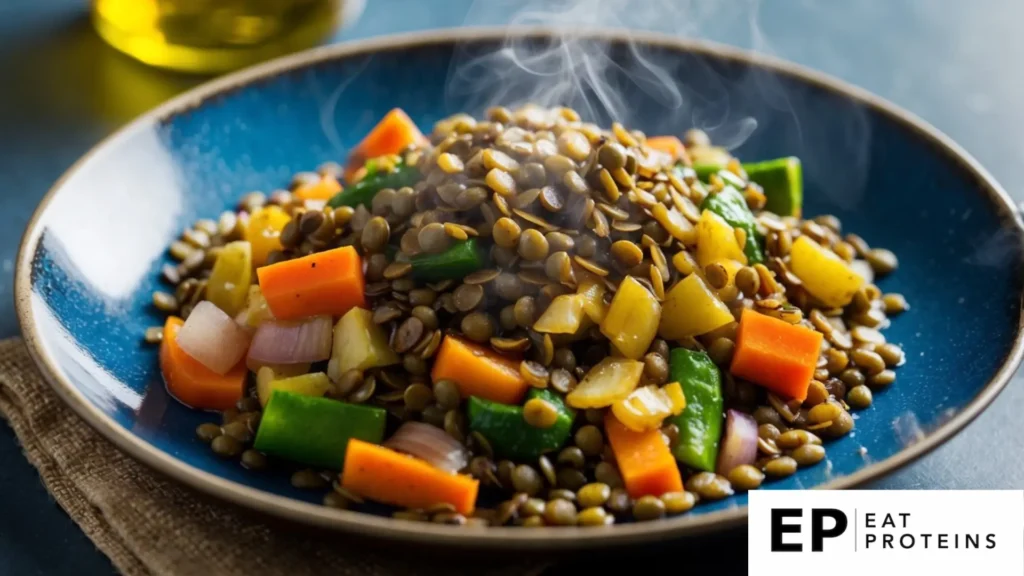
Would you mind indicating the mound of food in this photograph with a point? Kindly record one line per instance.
(528, 320)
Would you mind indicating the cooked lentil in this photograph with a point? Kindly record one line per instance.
(648, 508)
(780, 467)
(746, 477)
(808, 454)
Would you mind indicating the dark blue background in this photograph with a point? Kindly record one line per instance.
(951, 62)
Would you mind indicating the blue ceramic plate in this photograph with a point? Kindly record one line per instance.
(91, 255)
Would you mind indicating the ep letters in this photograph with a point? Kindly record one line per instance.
(942, 532)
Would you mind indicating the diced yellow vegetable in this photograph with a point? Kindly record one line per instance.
(258, 311)
(592, 292)
(315, 384)
(644, 409)
(826, 276)
(563, 316)
(692, 309)
(228, 285)
(716, 240)
(611, 380)
(632, 319)
(674, 390)
(264, 231)
(361, 344)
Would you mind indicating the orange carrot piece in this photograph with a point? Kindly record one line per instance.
(479, 371)
(324, 283)
(645, 462)
(323, 189)
(391, 135)
(669, 145)
(381, 474)
(191, 382)
(775, 354)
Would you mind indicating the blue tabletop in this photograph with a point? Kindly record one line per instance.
(949, 61)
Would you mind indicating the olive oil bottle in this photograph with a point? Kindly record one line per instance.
(212, 36)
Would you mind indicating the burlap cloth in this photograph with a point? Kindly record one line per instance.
(149, 525)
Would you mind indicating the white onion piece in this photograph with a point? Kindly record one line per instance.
(739, 442)
(213, 338)
(281, 342)
(431, 444)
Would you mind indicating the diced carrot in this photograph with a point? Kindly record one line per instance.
(775, 354)
(478, 371)
(323, 189)
(381, 474)
(669, 145)
(644, 460)
(324, 283)
(191, 382)
(391, 135)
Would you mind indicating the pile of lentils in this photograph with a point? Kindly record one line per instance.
(550, 196)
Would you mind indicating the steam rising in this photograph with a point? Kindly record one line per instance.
(566, 69)
(604, 81)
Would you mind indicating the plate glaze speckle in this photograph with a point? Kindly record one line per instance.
(91, 256)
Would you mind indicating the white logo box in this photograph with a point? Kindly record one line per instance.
(926, 532)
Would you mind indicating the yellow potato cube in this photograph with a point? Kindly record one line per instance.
(716, 240)
(824, 274)
(632, 319)
(692, 309)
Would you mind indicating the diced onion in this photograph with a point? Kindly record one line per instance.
(739, 442)
(281, 342)
(213, 338)
(644, 409)
(430, 444)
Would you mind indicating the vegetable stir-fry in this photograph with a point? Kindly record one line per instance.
(528, 320)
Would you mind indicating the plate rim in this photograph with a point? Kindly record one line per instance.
(290, 509)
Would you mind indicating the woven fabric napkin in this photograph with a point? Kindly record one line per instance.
(150, 525)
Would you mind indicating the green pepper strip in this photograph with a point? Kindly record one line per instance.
(509, 434)
(454, 263)
(732, 207)
(700, 423)
(315, 431)
(363, 191)
(780, 178)
(783, 184)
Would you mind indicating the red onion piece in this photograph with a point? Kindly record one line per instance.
(213, 338)
(739, 442)
(431, 444)
(282, 342)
